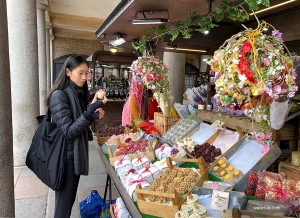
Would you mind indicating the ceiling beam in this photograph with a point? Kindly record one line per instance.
(75, 34)
(71, 22)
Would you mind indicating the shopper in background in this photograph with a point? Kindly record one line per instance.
(68, 103)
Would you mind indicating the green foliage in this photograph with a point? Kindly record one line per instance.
(201, 23)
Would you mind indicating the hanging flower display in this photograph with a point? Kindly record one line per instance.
(153, 74)
(252, 69)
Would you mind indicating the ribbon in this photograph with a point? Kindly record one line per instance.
(120, 162)
(147, 170)
(139, 158)
(138, 181)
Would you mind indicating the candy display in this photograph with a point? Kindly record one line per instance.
(122, 137)
(109, 131)
(132, 147)
(207, 151)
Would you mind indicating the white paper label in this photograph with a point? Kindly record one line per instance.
(217, 125)
(219, 200)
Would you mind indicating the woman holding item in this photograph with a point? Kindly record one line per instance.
(68, 103)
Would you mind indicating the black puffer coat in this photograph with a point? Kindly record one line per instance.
(61, 114)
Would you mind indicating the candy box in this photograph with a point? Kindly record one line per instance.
(238, 156)
(120, 209)
(178, 153)
(163, 151)
(126, 173)
(162, 164)
(150, 172)
(122, 162)
(132, 184)
(139, 161)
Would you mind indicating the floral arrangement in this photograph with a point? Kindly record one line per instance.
(153, 74)
(252, 69)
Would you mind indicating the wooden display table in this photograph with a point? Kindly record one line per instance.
(286, 137)
(292, 172)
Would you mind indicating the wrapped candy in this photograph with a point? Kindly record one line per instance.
(140, 161)
(163, 151)
(150, 172)
(262, 177)
(132, 184)
(122, 162)
(162, 164)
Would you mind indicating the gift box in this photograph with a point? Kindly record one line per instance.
(127, 173)
(262, 179)
(163, 151)
(120, 209)
(139, 161)
(132, 183)
(122, 162)
(149, 172)
(178, 153)
(162, 164)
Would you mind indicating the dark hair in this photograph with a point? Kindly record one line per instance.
(62, 80)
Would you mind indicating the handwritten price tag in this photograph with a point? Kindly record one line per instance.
(219, 200)
(217, 125)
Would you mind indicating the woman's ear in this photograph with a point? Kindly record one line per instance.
(68, 72)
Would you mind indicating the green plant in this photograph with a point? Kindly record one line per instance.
(200, 23)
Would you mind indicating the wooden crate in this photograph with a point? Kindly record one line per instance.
(292, 172)
(214, 137)
(164, 122)
(150, 154)
(111, 210)
(289, 131)
(236, 213)
(163, 210)
(101, 140)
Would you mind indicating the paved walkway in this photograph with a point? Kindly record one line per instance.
(35, 200)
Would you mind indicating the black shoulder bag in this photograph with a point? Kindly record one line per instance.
(47, 154)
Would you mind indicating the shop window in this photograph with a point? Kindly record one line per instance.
(191, 73)
(58, 63)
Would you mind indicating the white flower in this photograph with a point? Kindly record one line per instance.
(235, 61)
(235, 49)
(242, 77)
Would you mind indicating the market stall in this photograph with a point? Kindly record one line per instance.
(214, 155)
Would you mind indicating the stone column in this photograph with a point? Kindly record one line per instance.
(48, 26)
(41, 7)
(7, 205)
(23, 56)
(176, 64)
(51, 59)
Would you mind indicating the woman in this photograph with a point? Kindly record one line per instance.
(67, 101)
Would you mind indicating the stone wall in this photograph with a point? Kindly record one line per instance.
(63, 46)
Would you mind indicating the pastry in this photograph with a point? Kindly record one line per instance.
(237, 174)
(181, 214)
(187, 207)
(192, 198)
(230, 169)
(228, 178)
(222, 160)
(216, 170)
(195, 215)
(222, 173)
(200, 209)
(224, 166)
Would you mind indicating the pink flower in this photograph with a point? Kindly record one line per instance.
(291, 95)
(265, 149)
(279, 90)
(269, 136)
(266, 62)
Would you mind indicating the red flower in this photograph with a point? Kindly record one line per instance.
(247, 47)
(158, 77)
(149, 78)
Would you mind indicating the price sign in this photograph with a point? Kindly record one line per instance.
(220, 200)
(217, 125)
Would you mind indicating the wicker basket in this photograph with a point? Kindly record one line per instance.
(164, 122)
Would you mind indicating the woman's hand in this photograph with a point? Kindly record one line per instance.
(101, 112)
